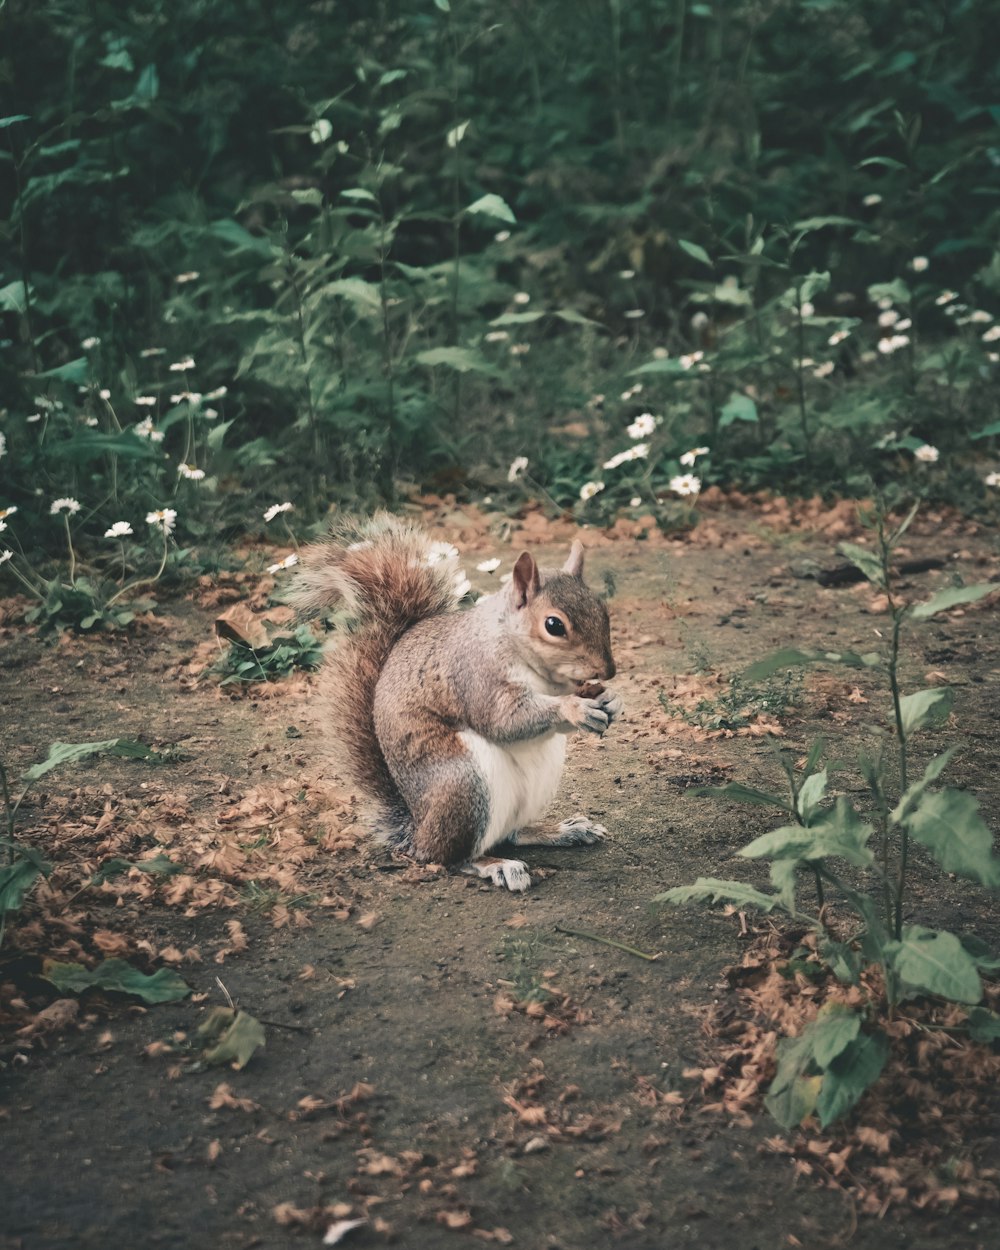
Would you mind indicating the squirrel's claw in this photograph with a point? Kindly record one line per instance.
(611, 704)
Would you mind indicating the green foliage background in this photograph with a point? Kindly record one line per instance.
(311, 201)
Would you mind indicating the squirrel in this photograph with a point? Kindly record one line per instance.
(456, 721)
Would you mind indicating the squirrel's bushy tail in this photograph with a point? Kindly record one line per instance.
(389, 575)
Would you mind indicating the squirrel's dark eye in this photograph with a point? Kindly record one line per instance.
(555, 627)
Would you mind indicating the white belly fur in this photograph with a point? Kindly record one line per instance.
(521, 780)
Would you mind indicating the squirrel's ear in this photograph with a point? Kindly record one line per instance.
(525, 582)
(574, 563)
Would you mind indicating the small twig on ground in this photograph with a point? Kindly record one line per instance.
(605, 941)
(229, 997)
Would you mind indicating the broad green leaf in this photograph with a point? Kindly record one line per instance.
(493, 206)
(13, 297)
(808, 224)
(119, 976)
(792, 1095)
(573, 318)
(68, 753)
(86, 445)
(988, 431)
(931, 961)
(839, 832)
(670, 365)
(737, 408)
(914, 792)
(856, 1068)
(811, 795)
(844, 960)
(783, 873)
(518, 319)
(159, 866)
(461, 359)
(360, 194)
(696, 251)
(925, 707)
(16, 879)
(865, 560)
(833, 1029)
(951, 598)
(235, 1034)
(739, 793)
(239, 238)
(984, 1025)
(708, 889)
(72, 371)
(14, 117)
(948, 823)
(791, 657)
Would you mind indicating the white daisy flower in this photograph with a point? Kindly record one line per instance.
(635, 501)
(462, 585)
(634, 314)
(181, 366)
(6, 512)
(277, 508)
(638, 452)
(685, 484)
(192, 275)
(152, 351)
(927, 454)
(689, 457)
(64, 505)
(146, 401)
(992, 479)
(824, 370)
(6, 555)
(517, 468)
(501, 236)
(946, 297)
(496, 336)
(589, 489)
(992, 334)
(3, 444)
(920, 264)
(220, 392)
(191, 473)
(520, 349)
(120, 529)
(522, 297)
(888, 318)
(321, 131)
(283, 564)
(88, 345)
(644, 425)
(163, 519)
(440, 551)
(807, 309)
(837, 336)
(489, 566)
(871, 200)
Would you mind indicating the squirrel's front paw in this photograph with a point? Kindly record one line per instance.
(610, 704)
(511, 874)
(584, 714)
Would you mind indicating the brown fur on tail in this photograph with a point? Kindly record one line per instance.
(380, 570)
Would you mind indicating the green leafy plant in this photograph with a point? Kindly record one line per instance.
(862, 862)
(244, 664)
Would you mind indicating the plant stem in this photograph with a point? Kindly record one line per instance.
(144, 581)
(72, 553)
(596, 937)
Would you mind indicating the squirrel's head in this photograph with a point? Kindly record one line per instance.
(562, 627)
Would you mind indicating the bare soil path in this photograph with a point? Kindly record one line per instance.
(443, 1058)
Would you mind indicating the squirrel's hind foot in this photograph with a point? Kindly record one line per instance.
(511, 874)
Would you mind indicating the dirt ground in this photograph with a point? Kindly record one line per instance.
(441, 1057)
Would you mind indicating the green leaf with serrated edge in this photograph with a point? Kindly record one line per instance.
(737, 792)
(865, 560)
(708, 889)
(914, 792)
(493, 206)
(984, 1026)
(67, 753)
(237, 1036)
(791, 657)
(948, 823)
(952, 598)
(925, 707)
(811, 794)
(695, 251)
(839, 832)
(930, 961)
(855, 1069)
(783, 872)
(118, 976)
(159, 866)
